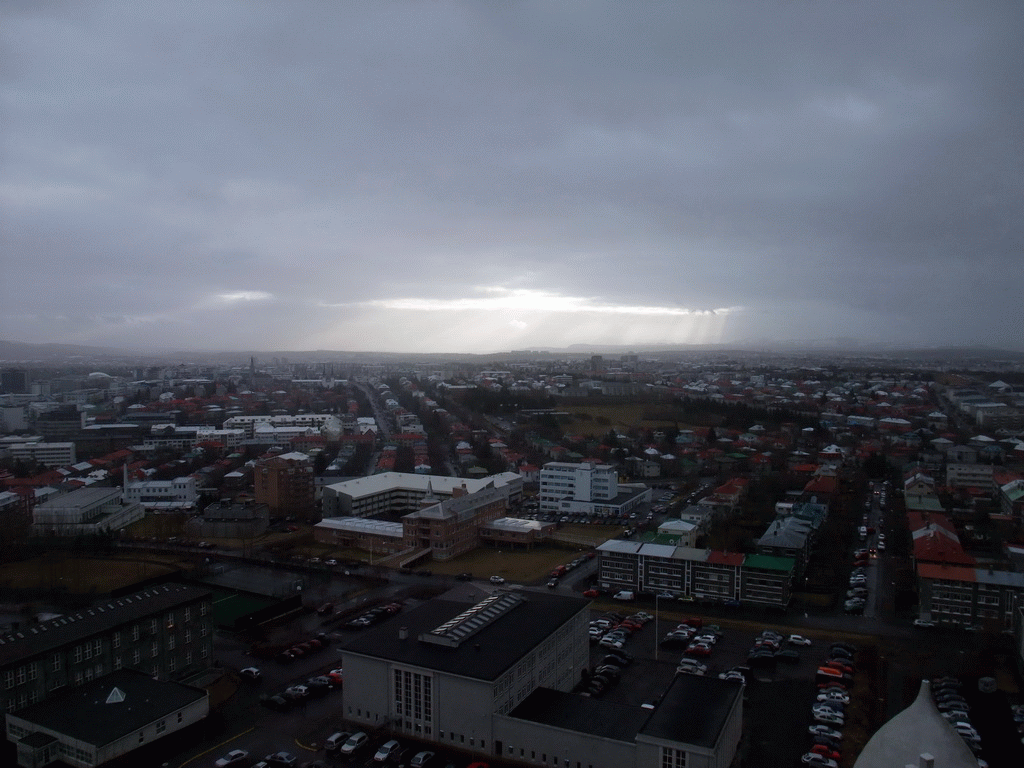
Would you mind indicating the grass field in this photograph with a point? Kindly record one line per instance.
(77, 575)
(596, 420)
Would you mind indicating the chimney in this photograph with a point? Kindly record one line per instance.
(926, 761)
(403, 633)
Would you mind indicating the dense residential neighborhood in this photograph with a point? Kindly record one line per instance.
(455, 556)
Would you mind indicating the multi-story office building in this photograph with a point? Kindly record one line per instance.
(165, 632)
(589, 489)
(563, 481)
(285, 484)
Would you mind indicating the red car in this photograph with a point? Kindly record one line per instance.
(821, 749)
(591, 593)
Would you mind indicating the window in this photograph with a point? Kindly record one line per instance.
(672, 758)
(56, 662)
(135, 632)
(161, 726)
(77, 654)
(152, 626)
(154, 649)
(33, 671)
(136, 657)
(21, 675)
(170, 643)
(9, 679)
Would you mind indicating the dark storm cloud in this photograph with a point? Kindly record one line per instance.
(280, 174)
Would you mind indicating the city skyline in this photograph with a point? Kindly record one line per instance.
(473, 177)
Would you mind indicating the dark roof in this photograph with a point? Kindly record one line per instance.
(72, 627)
(580, 714)
(490, 650)
(694, 710)
(84, 713)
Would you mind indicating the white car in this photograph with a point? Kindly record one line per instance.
(234, 757)
(497, 580)
(355, 742)
(798, 640)
(834, 696)
(923, 623)
(388, 750)
(824, 730)
(814, 759)
(831, 718)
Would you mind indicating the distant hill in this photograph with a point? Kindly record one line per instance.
(14, 352)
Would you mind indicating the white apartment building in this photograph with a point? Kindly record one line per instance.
(562, 481)
(969, 475)
(50, 454)
(324, 423)
(180, 490)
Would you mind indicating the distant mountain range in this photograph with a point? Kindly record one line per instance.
(21, 353)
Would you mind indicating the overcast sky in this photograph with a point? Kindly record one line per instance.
(484, 176)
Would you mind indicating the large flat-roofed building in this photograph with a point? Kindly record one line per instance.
(697, 723)
(441, 671)
(398, 493)
(107, 718)
(164, 631)
(86, 511)
(494, 676)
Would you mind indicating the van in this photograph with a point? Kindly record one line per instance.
(624, 595)
(335, 740)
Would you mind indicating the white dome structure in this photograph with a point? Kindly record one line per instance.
(917, 736)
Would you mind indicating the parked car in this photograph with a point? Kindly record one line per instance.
(829, 718)
(234, 757)
(421, 759)
(354, 743)
(496, 580)
(335, 740)
(387, 752)
(798, 640)
(814, 759)
(281, 760)
(253, 673)
(824, 730)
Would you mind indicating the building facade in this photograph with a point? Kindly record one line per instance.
(286, 485)
(86, 511)
(494, 675)
(165, 631)
(699, 574)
